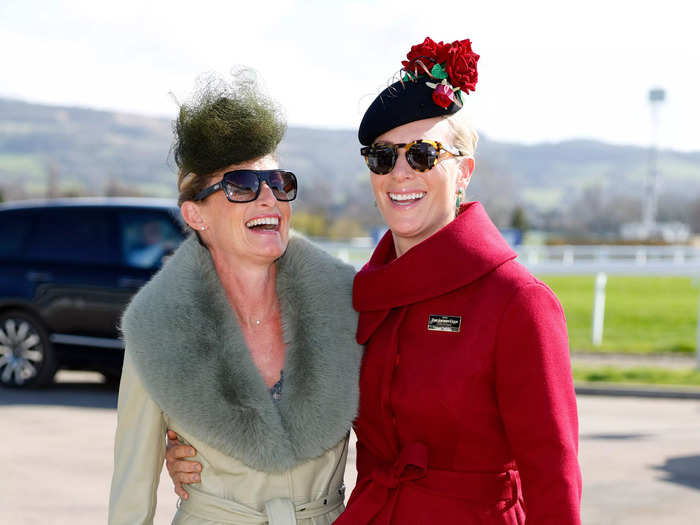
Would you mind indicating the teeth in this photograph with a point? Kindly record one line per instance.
(263, 220)
(406, 196)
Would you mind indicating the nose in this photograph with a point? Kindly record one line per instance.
(402, 169)
(266, 196)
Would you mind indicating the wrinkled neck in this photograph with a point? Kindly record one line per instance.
(250, 288)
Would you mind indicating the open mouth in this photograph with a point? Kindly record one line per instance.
(262, 224)
(404, 199)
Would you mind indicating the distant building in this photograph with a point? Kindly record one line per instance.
(670, 232)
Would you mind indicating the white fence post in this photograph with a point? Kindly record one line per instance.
(533, 256)
(599, 308)
(568, 257)
(641, 256)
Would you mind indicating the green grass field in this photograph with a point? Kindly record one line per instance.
(642, 314)
(637, 375)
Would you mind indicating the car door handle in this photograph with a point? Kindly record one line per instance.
(130, 282)
(37, 277)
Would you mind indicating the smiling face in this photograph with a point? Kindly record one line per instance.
(417, 204)
(251, 232)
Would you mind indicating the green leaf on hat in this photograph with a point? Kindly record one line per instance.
(438, 71)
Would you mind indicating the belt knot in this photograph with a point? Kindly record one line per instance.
(411, 464)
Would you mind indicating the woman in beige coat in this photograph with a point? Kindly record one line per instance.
(243, 343)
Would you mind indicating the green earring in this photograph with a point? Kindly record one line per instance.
(458, 202)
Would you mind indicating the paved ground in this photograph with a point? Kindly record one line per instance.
(640, 458)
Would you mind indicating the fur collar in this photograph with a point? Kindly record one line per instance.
(189, 351)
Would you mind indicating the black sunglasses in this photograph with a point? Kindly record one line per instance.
(244, 185)
(421, 155)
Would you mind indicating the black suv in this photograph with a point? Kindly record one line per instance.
(67, 270)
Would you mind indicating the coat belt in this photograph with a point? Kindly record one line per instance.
(411, 468)
(278, 511)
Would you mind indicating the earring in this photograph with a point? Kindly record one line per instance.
(204, 228)
(458, 201)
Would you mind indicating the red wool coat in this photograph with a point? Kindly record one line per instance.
(467, 405)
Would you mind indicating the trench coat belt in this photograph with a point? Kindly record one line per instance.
(411, 468)
(278, 511)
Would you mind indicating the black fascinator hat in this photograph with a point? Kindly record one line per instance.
(435, 77)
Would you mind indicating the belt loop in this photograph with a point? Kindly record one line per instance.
(280, 511)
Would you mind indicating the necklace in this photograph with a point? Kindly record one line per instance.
(255, 323)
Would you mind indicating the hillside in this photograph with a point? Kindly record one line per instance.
(83, 151)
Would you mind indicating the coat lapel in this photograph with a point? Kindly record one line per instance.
(462, 252)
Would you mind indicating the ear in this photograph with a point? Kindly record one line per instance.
(466, 168)
(191, 213)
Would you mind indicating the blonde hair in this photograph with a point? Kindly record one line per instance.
(465, 136)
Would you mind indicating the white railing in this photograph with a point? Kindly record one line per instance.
(583, 260)
(628, 260)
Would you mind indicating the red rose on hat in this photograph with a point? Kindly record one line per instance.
(428, 52)
(443, 95)
(461, 65)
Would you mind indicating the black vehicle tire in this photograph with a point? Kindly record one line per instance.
(27, 358)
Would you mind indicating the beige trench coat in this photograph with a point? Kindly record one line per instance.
(229, 492)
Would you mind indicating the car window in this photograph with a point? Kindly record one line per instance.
(14, 228)
(146, 237)
(71, 235)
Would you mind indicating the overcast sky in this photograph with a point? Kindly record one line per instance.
(548, 70)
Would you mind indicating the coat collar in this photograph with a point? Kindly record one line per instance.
(191, 356)
(460, 253)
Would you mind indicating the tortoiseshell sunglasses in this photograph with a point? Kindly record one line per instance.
(421, 155)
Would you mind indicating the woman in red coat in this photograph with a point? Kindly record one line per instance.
(467, 406)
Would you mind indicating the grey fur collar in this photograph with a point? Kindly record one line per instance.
(192, 358)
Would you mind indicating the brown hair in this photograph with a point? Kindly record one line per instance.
(189, 185)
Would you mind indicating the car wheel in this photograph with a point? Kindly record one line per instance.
(27, 358)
